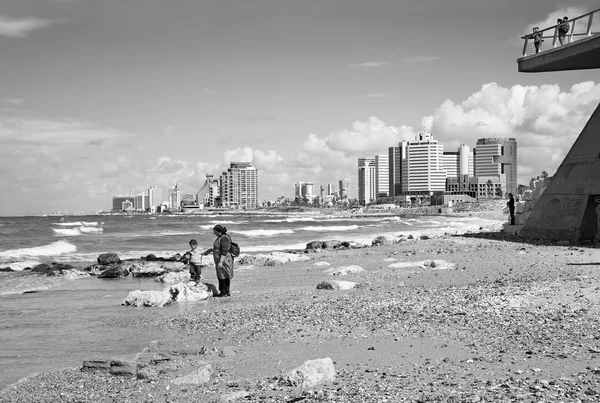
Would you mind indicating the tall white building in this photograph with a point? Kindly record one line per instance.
(382, 174)
(330, 189)
(239, 186)
(496, 157)
(459, 163)
(139, 202)
(175, 198)
(367, 180)
(423, 168)
(155, 196)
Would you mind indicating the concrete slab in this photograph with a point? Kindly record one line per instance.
(582, 54)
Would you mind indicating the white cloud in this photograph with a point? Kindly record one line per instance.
(368, 64)
(20, 28)
(544, 120)
(421, 59)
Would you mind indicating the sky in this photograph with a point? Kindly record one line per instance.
(100, 98)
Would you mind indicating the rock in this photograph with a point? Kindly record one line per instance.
(336, 285)
(175, 277)
(6, 269)
(60, 269)
(527, 195)
(350, 245)
(405, 265)
(310, 374)
(245, 268)
(108, 258)
(191, 291)
(144, 269)
(151, 257)
(410, 237)
(425, 237)
(113, 366)
(114, 272)
(344, 270)
(95, 269)
(148, 374)
(199, 377)
(42, 268)
(314, 245)
(227, 351)
(380, 240)
(234, 396)
(439, 265)
(148, 298)
(322, 264)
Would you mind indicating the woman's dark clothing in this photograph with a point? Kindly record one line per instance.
(221, 247)
(511, 210)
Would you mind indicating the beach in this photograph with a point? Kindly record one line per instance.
(493, 318)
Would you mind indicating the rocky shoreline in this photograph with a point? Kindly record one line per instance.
(470, 318)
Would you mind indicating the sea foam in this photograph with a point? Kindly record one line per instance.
(264, 232)
(53, 249)
(330, 228)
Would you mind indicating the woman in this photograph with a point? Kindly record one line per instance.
(223, 259)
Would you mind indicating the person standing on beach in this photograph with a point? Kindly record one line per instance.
(195, 261)
(223, 259)
(511, 208)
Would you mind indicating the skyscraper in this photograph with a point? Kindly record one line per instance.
(497, 157)
(344, 188)
(239, 186)
(458, 163)
(155, 197)
(367, 180)
(382, 175)
(422, 169)
(175, 198)
(395, 157)
(330, 189)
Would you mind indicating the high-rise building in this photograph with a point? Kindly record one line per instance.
(175, 198)
(239, 186)
(382, 175)
(422, 169)
(458, 163)
(139, 202)
(395, 157)
(330, 189)
(496, 157)
(117, 202)
(344, 185)
(308, 190)
(367, 180)
(155, 197)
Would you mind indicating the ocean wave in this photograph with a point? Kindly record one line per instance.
(206, 227)
(18, 266)
(264, 232)
(271, 248)
(331, 228)
(77, 231)
(228, 222)
(167, 233)
(296, 219)
(54, 249)
(77, 223)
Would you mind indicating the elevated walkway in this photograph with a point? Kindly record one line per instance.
(580, 51)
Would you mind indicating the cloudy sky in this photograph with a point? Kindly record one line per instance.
(98, 98)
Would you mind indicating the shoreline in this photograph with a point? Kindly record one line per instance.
(490, 326)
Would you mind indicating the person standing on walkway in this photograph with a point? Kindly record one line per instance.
(538, 38)
(223, 259)
(563, 29)
(511, 208)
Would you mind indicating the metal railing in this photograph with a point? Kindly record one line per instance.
(580, 27)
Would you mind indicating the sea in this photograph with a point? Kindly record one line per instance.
(54, 322)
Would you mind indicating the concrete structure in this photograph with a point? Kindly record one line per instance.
(139, 202)
(395, 157)
(581, 51)
(155, 196)
(330, 189)
(367, 180)
(569, 207)
(422, 169)
(174, 198)
(344, 188)
(239, 186)
(382, 174)
(118, 201)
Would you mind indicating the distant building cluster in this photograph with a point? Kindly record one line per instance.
(235, 188)
(421, 168)
(328, 195)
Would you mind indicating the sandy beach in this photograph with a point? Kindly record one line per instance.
(495, 318)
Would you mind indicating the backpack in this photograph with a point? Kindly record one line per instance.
(565, 27)
(234, 248)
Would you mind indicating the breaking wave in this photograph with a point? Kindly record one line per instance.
(330, 228)
(264, 232)
(53, 249)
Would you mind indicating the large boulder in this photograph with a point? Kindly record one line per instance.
(174, 277)
(6, 269)
(191, 291)
(350, 245)
(380, 241)
(344, 270)
(144, 269)
(113, 366)
(115, 271)
(310, 374)
(199, 377)
(336, 285)
(316, 246)
(43, 268)
(108, 258)
(148, 298)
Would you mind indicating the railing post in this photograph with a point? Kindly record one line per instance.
(525, 46)
(555, 35)
(589, 29)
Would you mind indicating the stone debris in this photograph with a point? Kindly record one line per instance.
(336, 285)
(322, 264)
(310, 374)
(234, 396)
(200, 377)
(148, 298)
(191, 291)
(173, 277)
(345, 270)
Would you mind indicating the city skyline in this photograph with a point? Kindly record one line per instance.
(97, 100)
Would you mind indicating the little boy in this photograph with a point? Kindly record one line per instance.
(195, 261)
